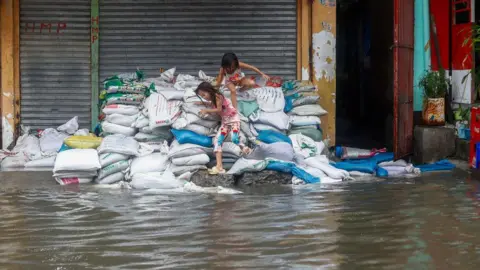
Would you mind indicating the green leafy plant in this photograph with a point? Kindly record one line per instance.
(434, 84)
(473, 42)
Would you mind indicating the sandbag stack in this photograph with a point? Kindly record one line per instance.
(115, 155)
(188, 157)
(230, 154)
(76, 166)
(301, 104)
(121, 99)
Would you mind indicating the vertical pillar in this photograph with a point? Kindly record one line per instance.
(94, 41)
(10, 85)
(324, 60)
(304, 39)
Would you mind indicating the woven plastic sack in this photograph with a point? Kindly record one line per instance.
(187, 136)
(120, 144)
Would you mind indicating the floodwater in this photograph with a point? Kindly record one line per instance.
(423, 223)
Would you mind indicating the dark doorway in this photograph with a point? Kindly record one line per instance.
(364, 73)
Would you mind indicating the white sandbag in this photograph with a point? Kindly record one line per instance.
(172, 94)
(82, 132)
(190, 107)
(116, 167)
(70, 127)
(279, 119)
(29, 145)
(145, 137)
(204, 77)
(122, 120)
(73, 174)
(156, 180)
(156, 162)
(161, 131)
(201, 159)
(306, 100)
(189, 118)
(51, 140)
(44, 162)
(111, 179)
(110, 158)
(120, 109)
(187, 149)
(260, 127)
(269, 99)
(63, 181)
(77, 160)
(279, 150)
(311, 109)
(328, 169)
(17, 161)
(229, 148)
(179, 170)
(298, 121)
(141, 121)
(111, 128)
(248, 165)
(304, 146)
(162, 112)
(397, 163)
(200, 129)
(168, 75)
(119, 144)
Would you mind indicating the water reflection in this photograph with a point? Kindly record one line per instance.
(422, 223)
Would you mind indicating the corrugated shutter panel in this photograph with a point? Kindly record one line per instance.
(55, 62)
(193, 35)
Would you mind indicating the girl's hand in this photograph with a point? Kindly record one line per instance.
(265, 76)
(203, 112)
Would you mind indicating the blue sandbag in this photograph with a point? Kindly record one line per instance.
(270, 136)
(289, 103)
(442, 165)
(362, 165)
(381, 172)
(187, 136)
(382, 157)
(305, 176)
(278, 166)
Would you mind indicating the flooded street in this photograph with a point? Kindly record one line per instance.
(423, 223)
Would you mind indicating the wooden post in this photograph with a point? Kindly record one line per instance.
(10, 86)
(94, 41)
(324, 60)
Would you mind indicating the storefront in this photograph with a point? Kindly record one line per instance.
(65, 49)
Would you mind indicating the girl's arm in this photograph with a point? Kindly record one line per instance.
(247, 66)
(218, 108)
(220, 76)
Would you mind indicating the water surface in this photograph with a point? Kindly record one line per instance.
(424, 223)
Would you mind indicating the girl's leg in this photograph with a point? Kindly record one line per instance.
(217, 148)
(218, 155)
(233, 91)
(235, 132)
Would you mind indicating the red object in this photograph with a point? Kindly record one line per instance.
(475, 132)
(403, 77)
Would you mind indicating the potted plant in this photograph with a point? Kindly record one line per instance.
(434, 85)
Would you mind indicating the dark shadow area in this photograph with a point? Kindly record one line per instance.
(364, 73)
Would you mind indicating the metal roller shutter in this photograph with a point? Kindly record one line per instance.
(54, 62)
(193, 35)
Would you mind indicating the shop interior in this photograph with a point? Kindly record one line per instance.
(364, 97)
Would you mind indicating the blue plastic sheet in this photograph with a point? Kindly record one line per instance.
(280, 166)
(291, 168)
(288, 103)
(381, 172)
(269, 136)
(305, 176)
(362, 165)
(187, 136)
(442, 165)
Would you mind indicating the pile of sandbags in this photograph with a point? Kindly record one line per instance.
(302, 106)
(230, 154)
(76, 166)
(188, 157)
(121, 99)
(114, 155)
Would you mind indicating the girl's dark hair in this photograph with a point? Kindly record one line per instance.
(208, 87)
(230, 59)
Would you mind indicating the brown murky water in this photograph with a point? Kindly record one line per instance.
(425, 223)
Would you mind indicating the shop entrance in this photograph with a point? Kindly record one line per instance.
(365, 100)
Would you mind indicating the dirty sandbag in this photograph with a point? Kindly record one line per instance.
(126, 99)
(168, 75)
(269, 99)
(178, 150)
(200, 129)
(141, 121)
(120, 109)
(111, 179)
(17, 161)
(204, 77)
(110, 158)
(201, 159)
(298, 120)
(279, 150)
(51, 140)
(162, 112)
(122, 120)
(116, 167)
(320, 163)
(156, 180)
(310, 109)
(48, 162)
(145, 137)
(189, 118)
(244, 165)
(29, 145)
(120, 144)
(305, 100)
(279, 119)
(155, 162)
(193, 108)
(111, 128)
(70, 127)
(260, 127)
(304, 146)
(179, 170)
